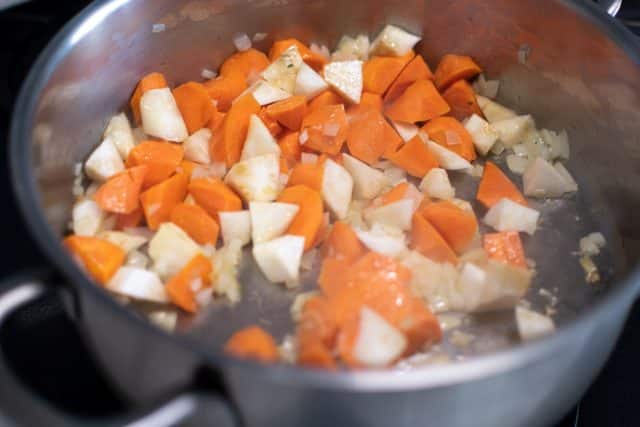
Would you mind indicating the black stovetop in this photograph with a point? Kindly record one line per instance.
(43, 346)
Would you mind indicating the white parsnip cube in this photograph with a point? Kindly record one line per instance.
(171, 249)
(279, 259)
(447, 159)
(397, 214)
(532, 325)
(196, 147)
(127, 241)
(436, 184)
(139, 284)
(378, 342)
(270, 219)
(104, 162)
(482, 133)
(346, 78)
(266, 93)
(337, 188)
(367, 181)
(259, 140)
(393, 41)
(235, 226)
(87, 217)
(507, 215)
(120, 133)
(256, 179)
(309, 83)
(282, 72)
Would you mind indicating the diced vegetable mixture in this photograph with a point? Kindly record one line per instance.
(345, 158)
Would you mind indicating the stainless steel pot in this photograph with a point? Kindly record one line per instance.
(567, 63)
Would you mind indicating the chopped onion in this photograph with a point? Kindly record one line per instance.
(308, 158)
(140, 231)
(288, 349)
(204, 296)
(242, 42)
(558, 143)
(258, 37)
(208, 74)
(591, 244)
(497, 148)
(165, 320)
(214, 170)
(322, 50)
(517, 164)
(304, 137)
(158, 28)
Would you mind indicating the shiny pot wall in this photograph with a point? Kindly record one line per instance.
(566, 63)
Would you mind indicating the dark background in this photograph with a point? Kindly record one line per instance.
(45, 350)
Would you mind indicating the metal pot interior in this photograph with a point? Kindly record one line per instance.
(579, 74)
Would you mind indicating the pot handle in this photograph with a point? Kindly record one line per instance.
(612, 7)
(189, 408)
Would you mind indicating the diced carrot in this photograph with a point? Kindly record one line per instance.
(451, 134)
(381, 283)
(289, 112)
(458, 227)
(161, 158)
(417, 69)
(217, 151)
(309, 174)
(421, 101)
(194, 104)
(370, 100)
(317, 321)
(495, 185)
(455, 67)
(308, 220)
(312, 353)
(235, 126)
(396, 194)
(187, 166)
(314, 60)
(343, 243)
(274, 127)
(326, 129)
(129, 220)
(182, 287)
(100, 258)
(426, 240)
(196, 222)
(284, 165)
(225, 89)
(380, 71)
(505, 246)
(159, 200)
(253, 342)
(214, 196)
(365, 138)
(462, 100)
(332, 276)
(323, 231)
(217, 117)
(290, 146)
(147, 83)
(121, 192)
(392, 140)
(328, 97)
(248, 64)
(415, 157)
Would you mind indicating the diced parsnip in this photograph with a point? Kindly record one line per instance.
(367, 181)
(493, 111)
(308, 82)
(350, 48)
(517, 164)
(571, 184)
(171, 249)
(165, 320)
(511, 131)
(196, 147)
(434, 282)
(406, 130)
(139, 284)
(337, 188)
(235, 226)
(497, 286)
(532, 325)
(394, 176)
(591, 244)
(397, 214)
(279, 259)
(213, 170)
(558, 143)
(265, 93)
(482, 133)
(127, 241)
(346, 78)
(270, 220)
(378, 343)
(119, 132)
(384, 240)
(436, 184)
(447, 159)
(507, 215)
(225, 271)
(161, 117)
(104, 162)
(137, 259)
(139, 135)
(256, 179)
(542, 180)
(282, 72)
(393, 41)
(414, 195)
(259, 140)
(87, 217)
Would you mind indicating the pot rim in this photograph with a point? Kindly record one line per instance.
(621, 295)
